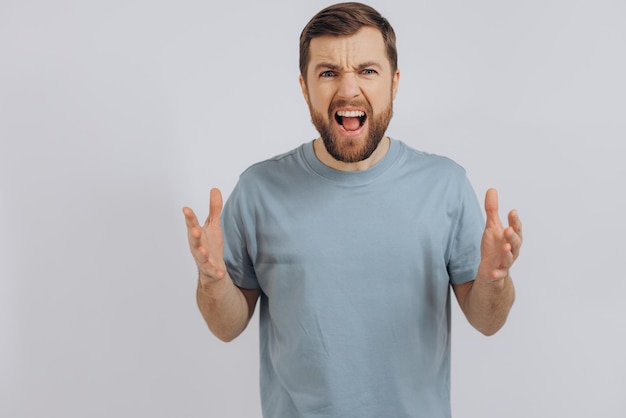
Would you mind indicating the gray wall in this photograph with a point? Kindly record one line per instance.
(115, 114)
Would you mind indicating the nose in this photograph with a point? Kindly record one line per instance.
(348, 86)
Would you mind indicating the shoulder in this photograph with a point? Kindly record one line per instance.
(422, 160)
(278, 174)
(284, 161)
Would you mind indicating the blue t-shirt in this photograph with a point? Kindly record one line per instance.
(354, 270)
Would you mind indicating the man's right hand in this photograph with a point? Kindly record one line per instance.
(206, 242)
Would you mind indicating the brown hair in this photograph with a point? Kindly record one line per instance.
(346, 19)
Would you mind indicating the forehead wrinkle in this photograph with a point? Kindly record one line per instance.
(337, 54)
(348, 52)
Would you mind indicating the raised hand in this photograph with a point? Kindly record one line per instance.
(500, 246)
(206, 242)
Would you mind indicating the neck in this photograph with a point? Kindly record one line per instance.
(322, 154)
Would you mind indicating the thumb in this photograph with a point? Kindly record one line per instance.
(491, 207)
(215, 207)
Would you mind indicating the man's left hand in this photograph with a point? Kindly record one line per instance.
(500, 246)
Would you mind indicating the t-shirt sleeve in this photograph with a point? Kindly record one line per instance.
(465, 243)
(236, 255)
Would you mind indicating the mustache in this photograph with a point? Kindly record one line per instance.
(348, 103)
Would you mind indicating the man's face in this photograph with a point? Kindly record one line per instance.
(350, 88)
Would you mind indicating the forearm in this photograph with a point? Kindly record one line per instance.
(487, 304)
(223, 307)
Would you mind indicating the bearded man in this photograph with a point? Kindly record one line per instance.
(352, 243)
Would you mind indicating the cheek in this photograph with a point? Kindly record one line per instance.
(382, 98)
(319, 102)
(320, 93)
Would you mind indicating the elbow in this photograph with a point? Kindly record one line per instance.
(225, 335)
(489, 329)
(225, 338)
(488, 332)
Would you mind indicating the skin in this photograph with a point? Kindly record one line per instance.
(487, 300)
(225, 307)
(352, 73)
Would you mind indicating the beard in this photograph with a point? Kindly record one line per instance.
(352, 150)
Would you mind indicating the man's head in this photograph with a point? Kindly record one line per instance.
(345, 19)
(349, 79)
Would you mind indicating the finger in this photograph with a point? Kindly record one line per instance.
(514, 241)
(508, 256)
(210, 273)
(491, 207)
(207, 267)
(515, 223)
(194, 232)
(215, 207)
(500, 274)
(190, 218)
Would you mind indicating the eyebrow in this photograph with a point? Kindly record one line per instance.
(334, 67)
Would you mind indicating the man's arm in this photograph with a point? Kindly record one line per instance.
(487, 300)
(226, 308)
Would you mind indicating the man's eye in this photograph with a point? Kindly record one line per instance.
(369, 71)
(327, 74)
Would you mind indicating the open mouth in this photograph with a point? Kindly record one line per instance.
(350, 120)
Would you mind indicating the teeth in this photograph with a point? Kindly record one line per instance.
(351, 113)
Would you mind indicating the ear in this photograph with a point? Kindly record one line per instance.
(305, 90)
(394, 84)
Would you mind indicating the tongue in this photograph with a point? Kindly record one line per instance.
(351, 124)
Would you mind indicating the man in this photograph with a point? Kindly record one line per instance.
(352, 242)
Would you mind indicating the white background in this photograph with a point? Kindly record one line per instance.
(116, 114)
